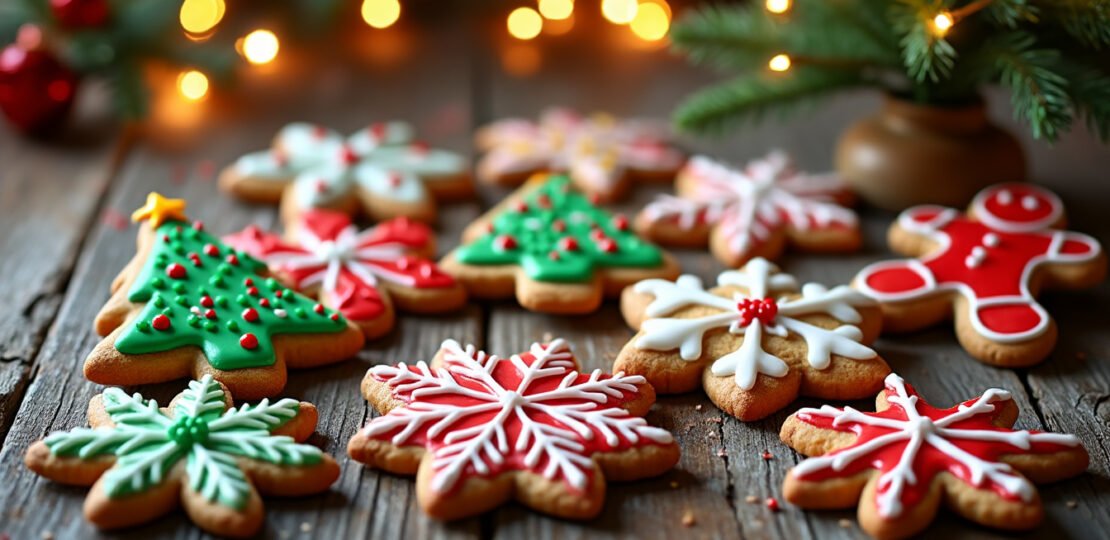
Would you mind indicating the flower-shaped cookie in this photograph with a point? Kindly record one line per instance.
(379, 170)
(360, 274)
(755, 343)
(601, 153)
(899, 463)
(477, 430)
(984, 269)
(754, 212)
(214, 459)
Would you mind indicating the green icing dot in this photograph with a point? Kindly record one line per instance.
(194, 320)
(233, 326)
(211, 326)
(243, 300)
(188, 430)
(300, 313)
(182, 301)
(167, 311)
(142, 326)
(158, 301)
(222, 301)
(216, 281)
(179, 288)
(158, 283)
(272, 283)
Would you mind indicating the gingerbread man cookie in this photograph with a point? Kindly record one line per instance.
(984, 269)
(600, 153)
(360, 274)
(755, 343)
(900, 463)
(188, 305)
(754, 212)
(478, 430)
(379, 170)
(554, 250)
(141, 460)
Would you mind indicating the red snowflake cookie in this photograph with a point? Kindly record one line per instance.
(903, 460)
(478, 429)
(988, 265)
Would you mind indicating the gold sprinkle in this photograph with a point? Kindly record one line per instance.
(697, 407)
(688, 519)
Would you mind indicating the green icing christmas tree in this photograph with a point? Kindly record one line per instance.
(200, 292)
(556, 234)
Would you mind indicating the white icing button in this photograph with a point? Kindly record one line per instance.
(990, 240)
(1005, 197)
(281, 313)
(971, 262)
(1030, 202)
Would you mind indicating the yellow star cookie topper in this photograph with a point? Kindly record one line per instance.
(158, 209)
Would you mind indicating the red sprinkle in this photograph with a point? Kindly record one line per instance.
(206, 301)
(247, 282)
(210, 314)
(520, 206)
(319, 131)
(620, 222)
(419, 147)
(160, 322)
(198, 225)
(553, 255)
(568, 243)
(558, 225)
(211, 250)
(334, 317)
(250, 315)
(248, 341)
(265, 302)
(253, 291)
(277, 294)
(543, 201)
(348, 156)
(607, 245)
(772, 504)
(233, 260)
(318, 308)
(175, 271)
(377, 130)
(768, 455)
(195, 259)
(504, 242)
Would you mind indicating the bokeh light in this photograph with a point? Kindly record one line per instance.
(260, 47)
(201, 16)
(778, 6)
(556, 10)
(192, 84)
(779, 62)
(619, 11)
(942, 23)
(651, 22)
(381, 13)
(524, 23)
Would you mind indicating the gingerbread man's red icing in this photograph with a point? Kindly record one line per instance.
(988, 257)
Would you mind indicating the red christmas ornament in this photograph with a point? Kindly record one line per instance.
(36, 90)
(78, 14)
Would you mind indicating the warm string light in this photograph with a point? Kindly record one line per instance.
(779, 62)
(652, 21)
(260, 47)
(192, 84)
(201, 16)
(619, 11)
(556, 10)
(778, 7)
(524, 23)
(942, 23)
(381, 13)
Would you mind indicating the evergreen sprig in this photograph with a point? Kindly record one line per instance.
(1042, 51)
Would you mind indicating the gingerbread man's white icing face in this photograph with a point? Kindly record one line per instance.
(988, 257)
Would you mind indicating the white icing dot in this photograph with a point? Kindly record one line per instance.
(1005, 197)
(990, 240)
(978, 252)
(281, 313)
(1030, 202)
(533, 224)
(195, 310)
(971, 261)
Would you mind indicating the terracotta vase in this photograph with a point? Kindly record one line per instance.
(911, 154)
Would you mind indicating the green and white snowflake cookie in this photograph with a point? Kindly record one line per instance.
(200, 450)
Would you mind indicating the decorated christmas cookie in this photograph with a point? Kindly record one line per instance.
(754, 212)
(188, 305)
(360, 274)
(754, 342)
(554, 250)
(600, 153)
(478, 430)
(142, 460)
(984, 269)
(900, 463)
(379, 170)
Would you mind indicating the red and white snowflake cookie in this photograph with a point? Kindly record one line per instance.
(477, 430)
(753, 212)
(901, 462)
(601, 153)
(360, 274)
(985, 269)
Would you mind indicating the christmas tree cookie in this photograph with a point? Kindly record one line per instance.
(900, 463)
(554, 250)
(188, 305)
(601, 154)
(755, 342)
(360, 274)
(477, 430)
(380, 170)
(213, 458)
(984, 269)
(756, 211)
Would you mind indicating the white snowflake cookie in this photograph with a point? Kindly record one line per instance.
(381, 171)
(478, 429)
(755, 342)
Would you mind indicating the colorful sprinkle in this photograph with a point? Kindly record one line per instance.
(248, 341)
(160, 322)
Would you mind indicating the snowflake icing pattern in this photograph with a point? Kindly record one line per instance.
(482, 415)
(747, 206)
(751, 315)
(911, 442)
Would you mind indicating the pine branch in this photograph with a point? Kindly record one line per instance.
(1011, 13)
(1089, 89)
(1038, 94)
(129, 92)
(927, 57)
(1087, 21)
(751, 97)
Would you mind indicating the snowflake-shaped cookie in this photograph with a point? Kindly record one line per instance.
(360, 274)
(988, 265)
(475, 425)
(599, 152)
(901, 461)
(754, 212)
(754, 342)
(380, 170)
(138, 457)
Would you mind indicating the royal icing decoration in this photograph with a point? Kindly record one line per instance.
(911, 442)
(596, 151)
(481, 415)
(556, 234)
(329, 252)
(988, 258)
(748, 206)
(148, 443)
(197, 291)
(767, 306)
(380, 161)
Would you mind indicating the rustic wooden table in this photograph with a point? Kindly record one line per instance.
(61, 243)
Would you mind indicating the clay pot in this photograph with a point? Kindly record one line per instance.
(911, 154)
